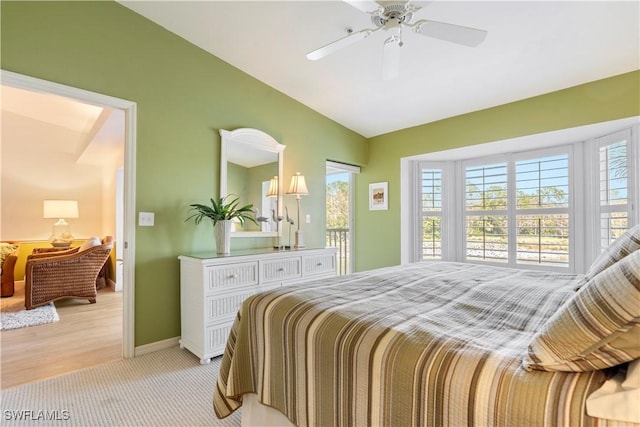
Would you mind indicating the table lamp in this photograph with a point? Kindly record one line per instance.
(298, 187)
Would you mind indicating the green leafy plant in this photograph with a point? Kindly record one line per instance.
(221, 210)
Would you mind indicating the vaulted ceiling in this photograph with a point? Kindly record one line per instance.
(532, 48)
(39, 124)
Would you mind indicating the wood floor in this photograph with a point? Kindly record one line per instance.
(86, 335)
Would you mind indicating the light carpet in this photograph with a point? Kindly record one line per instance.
(165, 388)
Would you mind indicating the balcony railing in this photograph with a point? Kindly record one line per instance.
(339, 238)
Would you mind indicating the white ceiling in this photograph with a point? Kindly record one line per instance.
(41, 124)
(532, 48)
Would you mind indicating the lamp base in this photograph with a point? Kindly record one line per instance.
(61, 236)
(299, 240)
(60, 244)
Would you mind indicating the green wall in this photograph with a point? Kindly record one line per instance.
(184, 95)
(608, 99)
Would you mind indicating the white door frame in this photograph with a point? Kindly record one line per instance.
(33, 84)
(352, 171)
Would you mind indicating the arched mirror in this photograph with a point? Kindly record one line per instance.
(251, 168)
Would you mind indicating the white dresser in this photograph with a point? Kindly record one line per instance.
(212, 288)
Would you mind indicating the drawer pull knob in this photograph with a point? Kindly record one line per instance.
(233, 276)
(281, 269)
(319, 264)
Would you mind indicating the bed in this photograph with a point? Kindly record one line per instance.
(439, 344)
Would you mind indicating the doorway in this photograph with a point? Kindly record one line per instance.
(339, 212)
(128, 110)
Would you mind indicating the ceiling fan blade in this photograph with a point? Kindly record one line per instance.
(467, 36)
(338, 44)
(366, 6)
(391, 58)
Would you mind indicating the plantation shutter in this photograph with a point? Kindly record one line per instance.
(613, 186)
(486, 215)
(542, 211)
(431, 212)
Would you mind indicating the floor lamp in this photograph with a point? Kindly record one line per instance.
(298, 188)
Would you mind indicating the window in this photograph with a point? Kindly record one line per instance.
(542, 211)
(613, 186)
(517, 212)
(431, 212)
(486, 215)
(554, 208)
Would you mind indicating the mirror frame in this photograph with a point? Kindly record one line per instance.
(261, 141)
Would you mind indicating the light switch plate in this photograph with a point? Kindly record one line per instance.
(146, 219)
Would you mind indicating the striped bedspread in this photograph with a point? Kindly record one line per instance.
(427, 344)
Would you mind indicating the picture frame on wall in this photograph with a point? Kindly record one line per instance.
(378, 196)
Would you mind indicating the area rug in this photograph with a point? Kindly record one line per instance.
(13, 315)
(23, 318)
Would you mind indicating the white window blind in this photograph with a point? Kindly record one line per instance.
(431, 212)
(613, 186)
(552, 209)
(517, 212)
(542, 211)
(486, 220)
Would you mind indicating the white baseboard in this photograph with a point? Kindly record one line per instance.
(155, 346)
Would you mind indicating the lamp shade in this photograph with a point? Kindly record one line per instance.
(60, 209)
(273, 187)
(298, 185)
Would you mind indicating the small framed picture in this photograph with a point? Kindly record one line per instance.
(378, 196)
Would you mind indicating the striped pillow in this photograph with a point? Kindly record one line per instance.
(598, 327)
(620, 248)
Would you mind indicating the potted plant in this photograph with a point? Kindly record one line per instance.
(221, 212)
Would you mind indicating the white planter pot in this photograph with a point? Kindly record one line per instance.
(222, 231)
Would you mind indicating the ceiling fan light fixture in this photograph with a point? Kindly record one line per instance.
(393, 15)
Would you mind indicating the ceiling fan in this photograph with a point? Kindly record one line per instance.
(394, 17)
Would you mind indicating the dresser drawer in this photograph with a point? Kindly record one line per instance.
(231, 276)
(216, 339)
(280, 269)
(226, 304)
(318, 264)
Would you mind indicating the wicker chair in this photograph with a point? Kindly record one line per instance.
(72, 273)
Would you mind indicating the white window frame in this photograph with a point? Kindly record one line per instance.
(593, 146)
(442, 167)
(570, 210)
(460, 193)
(583, 192)
(512, 212)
